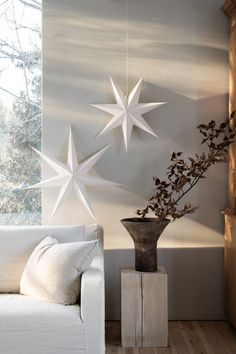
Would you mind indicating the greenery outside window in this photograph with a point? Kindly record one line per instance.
(20, 111)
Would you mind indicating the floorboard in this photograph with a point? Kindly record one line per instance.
(185, 337)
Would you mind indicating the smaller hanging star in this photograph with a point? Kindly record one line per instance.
(73, 177)
(127, 112)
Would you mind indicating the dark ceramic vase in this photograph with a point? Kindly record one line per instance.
(145, 234)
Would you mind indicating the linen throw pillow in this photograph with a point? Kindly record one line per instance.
(53, 270)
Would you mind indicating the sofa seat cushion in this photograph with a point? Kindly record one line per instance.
(30, 326)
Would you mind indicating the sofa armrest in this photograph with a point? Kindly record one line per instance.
(93, 309)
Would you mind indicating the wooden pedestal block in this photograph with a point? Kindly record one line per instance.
(144, 313)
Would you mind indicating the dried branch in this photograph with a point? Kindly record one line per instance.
(183, 175)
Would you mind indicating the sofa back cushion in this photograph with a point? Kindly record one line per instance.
(18, 242)
(53, 270)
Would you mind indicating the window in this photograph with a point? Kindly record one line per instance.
(20, 111)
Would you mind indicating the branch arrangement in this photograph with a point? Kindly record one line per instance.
(184, 174)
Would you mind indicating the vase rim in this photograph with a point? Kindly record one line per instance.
(145, 220)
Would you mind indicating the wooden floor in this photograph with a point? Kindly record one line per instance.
(185, 337)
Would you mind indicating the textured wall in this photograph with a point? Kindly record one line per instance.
(180, 49)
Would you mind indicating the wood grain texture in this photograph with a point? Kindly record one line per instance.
(229, 9)
(185, 337)
(144, 314)
(230, 267)
(131, 308)
(155, 312)
(232, 107)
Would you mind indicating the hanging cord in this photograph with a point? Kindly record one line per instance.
(127, 48)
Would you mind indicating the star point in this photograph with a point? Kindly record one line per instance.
(127, 112)
(73, 177)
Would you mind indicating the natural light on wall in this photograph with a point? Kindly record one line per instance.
(20, 111)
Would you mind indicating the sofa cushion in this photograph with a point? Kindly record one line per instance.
(18, 242)
(30, 326)
(53, 270)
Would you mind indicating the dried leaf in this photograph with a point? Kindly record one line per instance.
(182, 175)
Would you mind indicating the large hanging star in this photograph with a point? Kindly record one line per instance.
(73, 177)
(127, 112)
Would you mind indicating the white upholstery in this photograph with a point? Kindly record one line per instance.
(29, 326)
(17, 244)
(54, 269)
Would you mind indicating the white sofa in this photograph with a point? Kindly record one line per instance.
(30, 326)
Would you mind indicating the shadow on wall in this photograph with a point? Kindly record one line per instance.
(181, 45)
(175, 123)
(195, 282)
(176, 43)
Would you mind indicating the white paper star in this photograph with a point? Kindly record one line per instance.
(127, 112)
(73, 177)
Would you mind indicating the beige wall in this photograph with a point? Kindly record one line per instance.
(180, 49)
